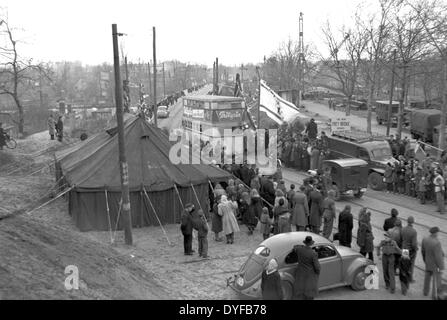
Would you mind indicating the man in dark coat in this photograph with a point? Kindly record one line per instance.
(316, 210)
(308, 271)
(268, 190)
(2, 137)
(410, 242)
(60, 129)
(390, 249)
(345, 225)
(312, 129)
(245, 174)
(390, 222)
(186, 228)
(202, 236)
(433, 256)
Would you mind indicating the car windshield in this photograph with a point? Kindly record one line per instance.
(381, 154)
(161, 108)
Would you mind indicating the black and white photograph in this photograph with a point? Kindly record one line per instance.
(230, 151)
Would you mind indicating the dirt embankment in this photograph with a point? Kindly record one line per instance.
(36, 248)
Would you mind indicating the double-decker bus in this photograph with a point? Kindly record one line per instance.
(210, 117)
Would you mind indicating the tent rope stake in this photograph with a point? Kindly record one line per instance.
(156, 215)
(108, 216)
(48, 202)
(120, 204)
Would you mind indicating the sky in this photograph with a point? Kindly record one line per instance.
(194, 31)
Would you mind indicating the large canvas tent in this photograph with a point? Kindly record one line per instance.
(91, 170)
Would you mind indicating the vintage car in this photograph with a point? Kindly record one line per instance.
(340, 266)
(162, 112)
(349, 176)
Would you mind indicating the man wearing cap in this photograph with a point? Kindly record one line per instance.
(410, 242)
(389, 249)
(186, 228)
(434, 261)
(391, 222)
(308, 271)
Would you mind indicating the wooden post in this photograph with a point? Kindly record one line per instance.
(217, 76)
(388, 122)
(441, 142)
(164, 82)
(155, 76)
(259, 98)
(124, 172)
(150, 82)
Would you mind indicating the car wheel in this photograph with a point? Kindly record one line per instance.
(375, 181)
(287, 289)
(358, 281)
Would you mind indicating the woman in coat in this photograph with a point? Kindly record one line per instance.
(364, 234)
(271, 282)
(300, 211)
(216, 221)
(226, 210)
(345, 225)
(266, 222)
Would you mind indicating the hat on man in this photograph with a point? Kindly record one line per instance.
(434, 230)
(308, 241)
(410, 219)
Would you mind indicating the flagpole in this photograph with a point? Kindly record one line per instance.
(259, 97)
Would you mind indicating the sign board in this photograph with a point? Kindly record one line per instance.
(340, 125)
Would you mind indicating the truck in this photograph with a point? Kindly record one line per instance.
(375, 150)
(382, 108)
(423, 123)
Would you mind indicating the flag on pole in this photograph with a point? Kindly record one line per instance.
(419, 153)
(278, 109)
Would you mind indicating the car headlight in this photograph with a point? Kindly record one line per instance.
(240, 281)
(363, 190)
(350, 192)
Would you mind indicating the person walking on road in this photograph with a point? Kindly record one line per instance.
(405, 271)
(271, 282)
(186, 227)
(202, 237)
(364, 234)
(282, 213)
(345, 226)
(60, 129)
(328, 214)
(433, 257)
(410, 243)
(300, 210)
(439, 184)
(389, 250)
(266, 222)
(308, 271)
(316, 209)
(51, 126)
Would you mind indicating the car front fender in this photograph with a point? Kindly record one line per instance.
(378, 170)
(354, 266)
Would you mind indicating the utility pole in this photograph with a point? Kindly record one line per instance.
(259, 97)
(164, 82)
(441, 142)
(214, 77)
(400, 114)
(124, 171)
(217, 76)
(388, 122)
(40, 89)
(155, 76)
(150, 82)
(126, 88)
(300, 61)
(242, 76)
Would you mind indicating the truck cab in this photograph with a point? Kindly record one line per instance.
(375, 150)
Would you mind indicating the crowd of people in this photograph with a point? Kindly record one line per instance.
(277, 209)
(424, 179)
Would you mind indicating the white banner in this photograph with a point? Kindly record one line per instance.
(340, 125)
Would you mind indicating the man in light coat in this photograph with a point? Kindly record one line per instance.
(433, 257)
(328, 214)
(316, 209)
(300, 210)
(439, 183)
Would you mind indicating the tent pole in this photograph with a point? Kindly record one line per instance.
(108, 215)
(156, 215)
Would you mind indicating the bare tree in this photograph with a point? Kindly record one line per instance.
(16, 74)
(432, 14)
(345, 64)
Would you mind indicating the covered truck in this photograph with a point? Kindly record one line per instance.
(423, 123)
